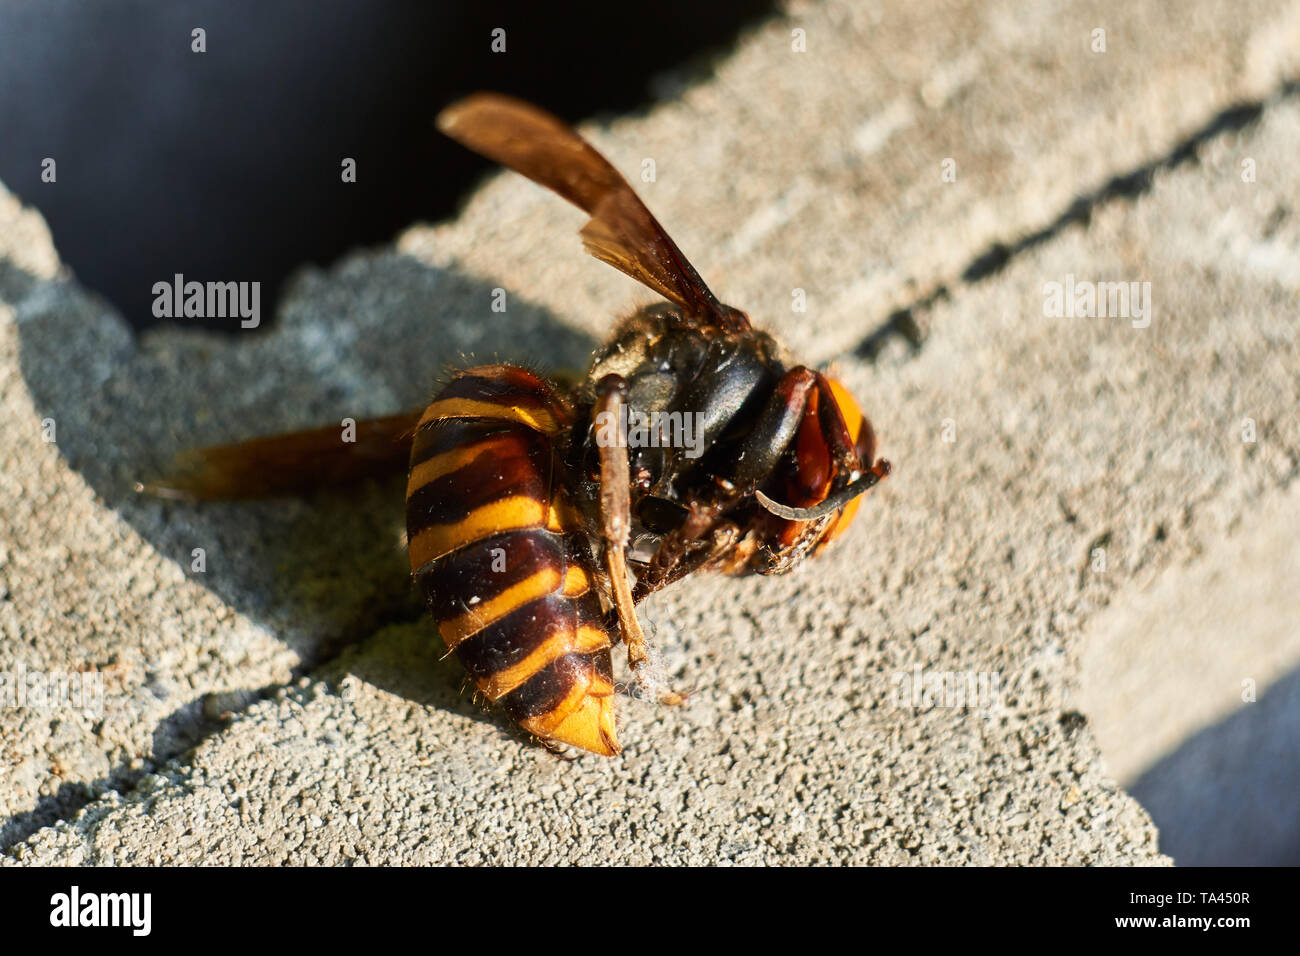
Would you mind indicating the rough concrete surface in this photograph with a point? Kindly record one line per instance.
(288, 704)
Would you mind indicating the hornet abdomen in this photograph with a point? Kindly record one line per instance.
(502, 563)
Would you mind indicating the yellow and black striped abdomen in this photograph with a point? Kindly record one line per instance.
(500, 559)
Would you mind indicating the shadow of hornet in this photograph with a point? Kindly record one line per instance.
(374, 337)
(1227, 795)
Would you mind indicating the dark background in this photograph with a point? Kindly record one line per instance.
(225, 165)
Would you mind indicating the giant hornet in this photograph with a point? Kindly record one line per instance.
(527, 511)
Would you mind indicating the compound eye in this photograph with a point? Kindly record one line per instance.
(814, 468)
(812, 479)
(864, 438)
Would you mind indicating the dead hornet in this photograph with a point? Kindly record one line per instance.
(692, 443)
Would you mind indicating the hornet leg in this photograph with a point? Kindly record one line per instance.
(616, 522)
(616, 510)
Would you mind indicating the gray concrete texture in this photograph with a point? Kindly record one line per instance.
(289, 704)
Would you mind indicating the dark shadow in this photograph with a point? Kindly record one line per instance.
(226, 164)
(1229, 796)
(319, 573)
